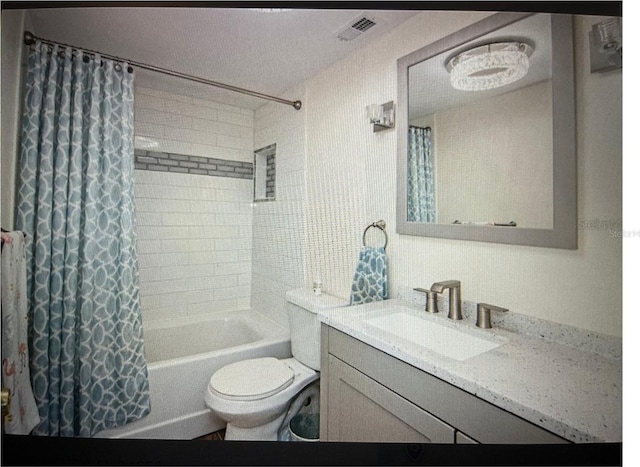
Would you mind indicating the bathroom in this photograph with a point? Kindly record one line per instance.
(205, 247)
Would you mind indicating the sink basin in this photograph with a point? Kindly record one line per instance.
(445, 340)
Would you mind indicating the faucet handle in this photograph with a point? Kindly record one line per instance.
(484, 314)
(432, 300)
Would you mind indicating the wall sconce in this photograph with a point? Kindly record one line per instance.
(605, 41)
(382, 116)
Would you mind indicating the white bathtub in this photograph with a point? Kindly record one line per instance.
(182, 357)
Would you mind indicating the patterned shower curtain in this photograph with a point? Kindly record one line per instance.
(75, 204)
(421, 205)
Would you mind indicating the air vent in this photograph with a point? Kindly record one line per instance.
(363, 24)
(355, 28)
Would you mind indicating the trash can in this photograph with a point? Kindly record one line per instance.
(305, 427)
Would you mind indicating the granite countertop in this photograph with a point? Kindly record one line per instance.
(568, 382)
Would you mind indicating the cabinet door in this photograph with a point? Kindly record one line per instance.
(478, 419)
(360, 409)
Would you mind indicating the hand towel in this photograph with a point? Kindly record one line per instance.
(23, 413)
(370, 278)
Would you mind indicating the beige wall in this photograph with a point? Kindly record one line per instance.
(351, 177)
(13, 25)
(278, 260)
(494, 160)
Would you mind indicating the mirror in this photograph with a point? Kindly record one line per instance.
(496, 164)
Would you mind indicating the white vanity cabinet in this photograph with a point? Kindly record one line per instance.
(368, 395)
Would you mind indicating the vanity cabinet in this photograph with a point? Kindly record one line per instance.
(368, 395)
(362, 409)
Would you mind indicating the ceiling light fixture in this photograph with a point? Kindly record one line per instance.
(489, 66)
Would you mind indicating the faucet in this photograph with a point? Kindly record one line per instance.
(484, 314)
(455, 307)
(432, 300)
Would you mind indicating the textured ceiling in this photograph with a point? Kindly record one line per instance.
(267, 52)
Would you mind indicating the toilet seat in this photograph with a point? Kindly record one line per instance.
(252, 379)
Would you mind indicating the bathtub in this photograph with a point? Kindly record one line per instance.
(181, 358)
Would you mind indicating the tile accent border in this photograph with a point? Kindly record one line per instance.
(271, 176)
(194, 165)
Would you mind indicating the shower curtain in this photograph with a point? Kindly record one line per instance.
(75, 204)
(421, 205)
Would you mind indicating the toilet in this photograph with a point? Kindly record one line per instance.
(256, 397)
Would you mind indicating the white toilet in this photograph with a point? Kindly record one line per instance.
(254, 396)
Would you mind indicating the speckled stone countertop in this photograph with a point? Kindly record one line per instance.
(562, 379)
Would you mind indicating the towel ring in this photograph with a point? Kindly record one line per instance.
(380, 225)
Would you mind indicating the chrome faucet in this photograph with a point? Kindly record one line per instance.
(455, 302)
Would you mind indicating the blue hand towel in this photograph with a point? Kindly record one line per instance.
(370, 278)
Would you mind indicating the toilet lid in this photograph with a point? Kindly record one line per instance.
(253, 379)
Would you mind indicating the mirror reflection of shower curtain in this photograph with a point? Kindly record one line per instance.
(421, 206)
(75, 203)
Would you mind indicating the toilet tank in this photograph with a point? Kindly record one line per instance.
(302, 308)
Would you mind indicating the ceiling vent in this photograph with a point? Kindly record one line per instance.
(356, 27)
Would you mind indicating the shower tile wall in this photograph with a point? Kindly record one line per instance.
(278, 261)
(194, 231)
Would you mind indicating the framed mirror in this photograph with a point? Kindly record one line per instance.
(486, 134)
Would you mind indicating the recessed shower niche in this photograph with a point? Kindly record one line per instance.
(264, 179)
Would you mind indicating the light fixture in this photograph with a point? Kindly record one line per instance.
(605, 41)
(489, 66)
(381, 116)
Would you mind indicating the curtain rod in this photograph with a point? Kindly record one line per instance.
(30, 38)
